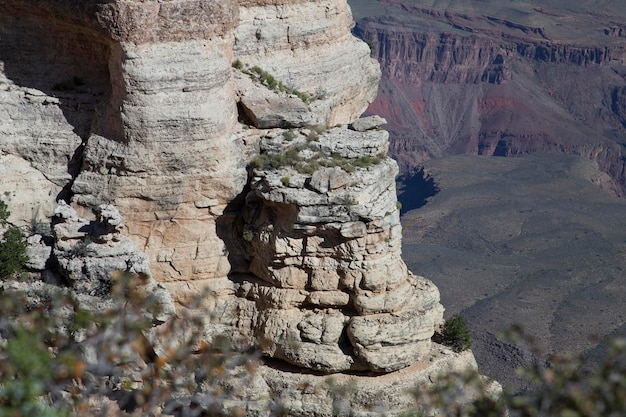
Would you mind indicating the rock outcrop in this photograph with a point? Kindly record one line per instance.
(324, 234)
(227, 136)
(484, 83)
(138, 105)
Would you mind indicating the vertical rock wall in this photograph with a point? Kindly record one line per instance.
(308, 45)
(154, 118)
(333, 292)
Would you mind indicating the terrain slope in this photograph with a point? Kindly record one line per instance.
(536, 238)
(529, 241)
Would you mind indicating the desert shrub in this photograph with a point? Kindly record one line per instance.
(289, 135)
(302, 96)
(563, 385)
(12, 253)
(60, 359)
(4, 213)
(12, 247)
(456, 334)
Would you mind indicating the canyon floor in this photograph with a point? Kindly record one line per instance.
(527, 240)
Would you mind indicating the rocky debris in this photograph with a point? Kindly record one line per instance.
(265, 106)
(91, 254)
(271, 112)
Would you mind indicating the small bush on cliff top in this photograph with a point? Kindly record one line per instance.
(455, 334)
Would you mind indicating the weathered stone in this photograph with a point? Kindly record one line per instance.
(368, 123)
(384, 274)
(92, 264)
(28, 193)
(309, 394)
(391, 341)
(329, 179)
(270, 112)
(353, 230)
(320, 58)
(159, 137)
(401, 297)
(324, 279)
(38, 253)
(307, 340)
(328, 298)
(280, 298)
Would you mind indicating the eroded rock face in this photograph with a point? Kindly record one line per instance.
(476, 82)
(227, 136)
(135, 103)
(90, 254)
(324, 236)
(320, 58)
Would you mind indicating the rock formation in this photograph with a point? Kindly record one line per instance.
(499, 81)
(227, 134)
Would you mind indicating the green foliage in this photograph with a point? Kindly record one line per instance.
(4, 213)
(60, 359)
(259, 74)
(456, 334)
(571, 387)
(12, 247)
(302, 96)
(12, 253)
(285, 181)
(563, 386)
(315, 158)
(289, 135)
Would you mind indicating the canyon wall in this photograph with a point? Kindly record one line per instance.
(227, 136)
(459, 82)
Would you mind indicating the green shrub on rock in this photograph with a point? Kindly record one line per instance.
(456, 334)
(12, 247)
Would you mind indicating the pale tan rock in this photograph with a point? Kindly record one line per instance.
(328, 298)
(309, 394)
(284, 250)
(388, 342)
(304, 339)
(38, 253)
(28, 194)
(320, 58)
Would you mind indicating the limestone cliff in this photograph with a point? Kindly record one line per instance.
(227, 134)
(500, 80)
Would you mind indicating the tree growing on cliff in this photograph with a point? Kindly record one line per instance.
(456, 334)
(12, 247)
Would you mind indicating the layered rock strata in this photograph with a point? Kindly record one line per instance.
(90, 254)
(138, 105)
(323, 230)
(227, 134)
(485, 83)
